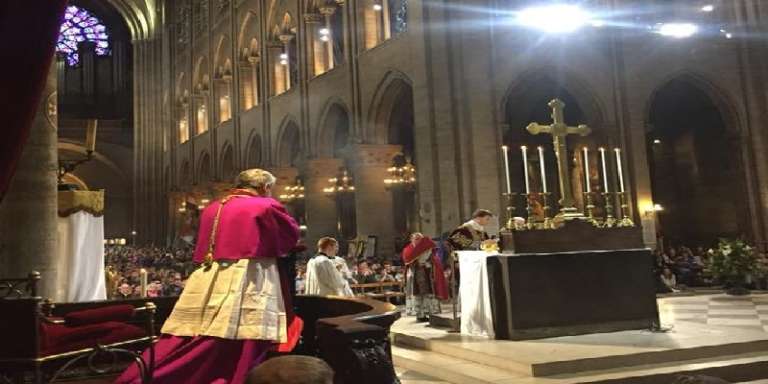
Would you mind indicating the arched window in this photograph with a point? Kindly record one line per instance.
(81, 26)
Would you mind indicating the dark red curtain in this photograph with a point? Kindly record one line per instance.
(29, 29)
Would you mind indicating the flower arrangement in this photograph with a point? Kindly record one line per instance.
(731, 262)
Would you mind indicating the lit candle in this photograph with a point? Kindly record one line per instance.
(505, 150)
(605, 170)
(90, 135)
(524, 149)
(543, 172)
(619, 170)
(586, 169)
(143, 279)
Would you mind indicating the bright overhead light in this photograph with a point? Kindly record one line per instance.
(678, 30)
(728, 36)
(324, 31)
(377, 7)
(657, 141)
(556, 18)
(708, 8)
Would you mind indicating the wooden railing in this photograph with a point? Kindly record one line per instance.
(382, 290)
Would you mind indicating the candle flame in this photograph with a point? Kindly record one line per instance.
(540, 148)
(504, 147)
(523, 147)
(602, 149)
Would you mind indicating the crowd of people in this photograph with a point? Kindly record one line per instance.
(166, 270)
(682, 267)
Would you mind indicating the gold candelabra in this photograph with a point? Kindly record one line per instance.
(293, 192)
(342, 183)
(625, 221)
(589, 206)
(510, 226)
(401, 174)
(609, 221)
(548, 223)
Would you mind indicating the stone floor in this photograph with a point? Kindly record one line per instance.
(748, 312)
(701, 333)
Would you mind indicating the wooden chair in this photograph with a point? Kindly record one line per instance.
(38, 348)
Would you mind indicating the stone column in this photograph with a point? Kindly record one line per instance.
(327, 13)
(285, 39)
(311, 21)
(28, 213)
(344, 23)
(320, 209)
(373, 202)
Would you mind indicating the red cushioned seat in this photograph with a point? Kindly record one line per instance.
(60, 338)
(122, 312)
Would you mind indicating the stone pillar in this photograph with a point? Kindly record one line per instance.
(320, 209)
(28, 213)
(373, 202)
(327, 13)
(345, 24)
(285, 39)
(312, 21)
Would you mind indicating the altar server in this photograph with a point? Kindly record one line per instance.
(325, 276)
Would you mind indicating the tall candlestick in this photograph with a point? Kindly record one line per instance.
(619, 170)
(605, 170)
(586, 169)
(543, 170)
(90, 135)
(143, 282)
(505, 150)
(524, 149)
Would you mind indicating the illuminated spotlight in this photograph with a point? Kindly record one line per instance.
(728, 36)
(657, 141)
(377, 7)
(708, 8)
(556, 18)
(678, 30)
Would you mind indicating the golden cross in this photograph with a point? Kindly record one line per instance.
(559, 130)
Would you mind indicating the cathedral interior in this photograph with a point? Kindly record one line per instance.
(381, 118)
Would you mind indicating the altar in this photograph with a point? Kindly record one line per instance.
(540, 295)
(584, 269)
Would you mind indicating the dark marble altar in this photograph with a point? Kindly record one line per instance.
(540, 295)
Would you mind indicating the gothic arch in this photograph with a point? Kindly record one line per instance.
(185, 175)
(249, 31)
(288, 143)
(204, 168)
(227, 161)
(253, 152)
(394, 86)
(588, 100)
(222, 56)
(718, 95)
(200, 74)
(139, 15)
(335, 115)
(697, 162)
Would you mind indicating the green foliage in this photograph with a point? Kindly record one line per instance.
(732, 260)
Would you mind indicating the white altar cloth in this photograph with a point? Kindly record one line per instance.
(81, 257)
(476, 315)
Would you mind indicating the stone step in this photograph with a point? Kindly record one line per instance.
(734, 368)
(563, 356)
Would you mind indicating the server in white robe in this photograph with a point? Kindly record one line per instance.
(324, 277)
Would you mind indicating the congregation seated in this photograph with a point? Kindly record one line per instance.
(167, 270)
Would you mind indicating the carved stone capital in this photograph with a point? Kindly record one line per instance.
(327, 10)
(312, 18)
(372, 155)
